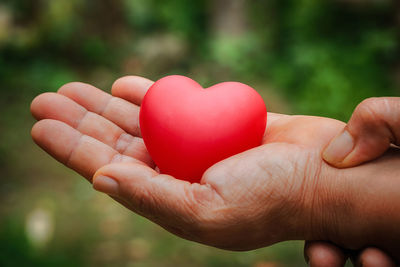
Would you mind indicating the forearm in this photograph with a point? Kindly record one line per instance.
(381, 199)
(372, 197)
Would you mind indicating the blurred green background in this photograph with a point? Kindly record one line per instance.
(304, 56)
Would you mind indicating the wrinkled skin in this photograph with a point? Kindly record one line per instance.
(281, 190)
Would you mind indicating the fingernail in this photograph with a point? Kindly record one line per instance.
(106, 185)
(339, 148)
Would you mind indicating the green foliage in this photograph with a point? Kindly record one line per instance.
(328, 56)
(15, 250)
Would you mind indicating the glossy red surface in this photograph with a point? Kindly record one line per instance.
(187, 129)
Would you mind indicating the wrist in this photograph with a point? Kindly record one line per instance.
(359, 206)
(321, 202)
(327, 205)
(377, 185)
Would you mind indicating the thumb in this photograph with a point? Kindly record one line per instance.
(373, 127)
(169, 202)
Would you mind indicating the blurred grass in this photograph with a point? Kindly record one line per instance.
(308, 56)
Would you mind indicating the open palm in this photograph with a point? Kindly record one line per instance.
(261, 196)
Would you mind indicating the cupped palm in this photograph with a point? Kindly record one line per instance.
(261, 196)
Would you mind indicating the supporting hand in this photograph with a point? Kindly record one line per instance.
(373, 127)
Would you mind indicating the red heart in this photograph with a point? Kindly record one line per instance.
(187, 129)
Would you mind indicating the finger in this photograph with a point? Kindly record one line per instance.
(373, 257)
(131, 88)
(58, 107)
(170, 202)
(301, 130)
(319, 253)
(374, 125)
(274, 117)
(80, 152)
(117, 110)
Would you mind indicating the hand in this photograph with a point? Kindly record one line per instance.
(279, 191)
(87, 129)
(373, 127)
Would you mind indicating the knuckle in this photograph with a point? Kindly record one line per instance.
(322, 258)
(368, 106)
(375, 257)
(371, 111)
(374, 105)
(377, 116)
(370, 101)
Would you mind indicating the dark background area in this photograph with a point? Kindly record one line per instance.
(311, 57)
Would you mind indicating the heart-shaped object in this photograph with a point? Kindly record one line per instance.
(187, 129)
